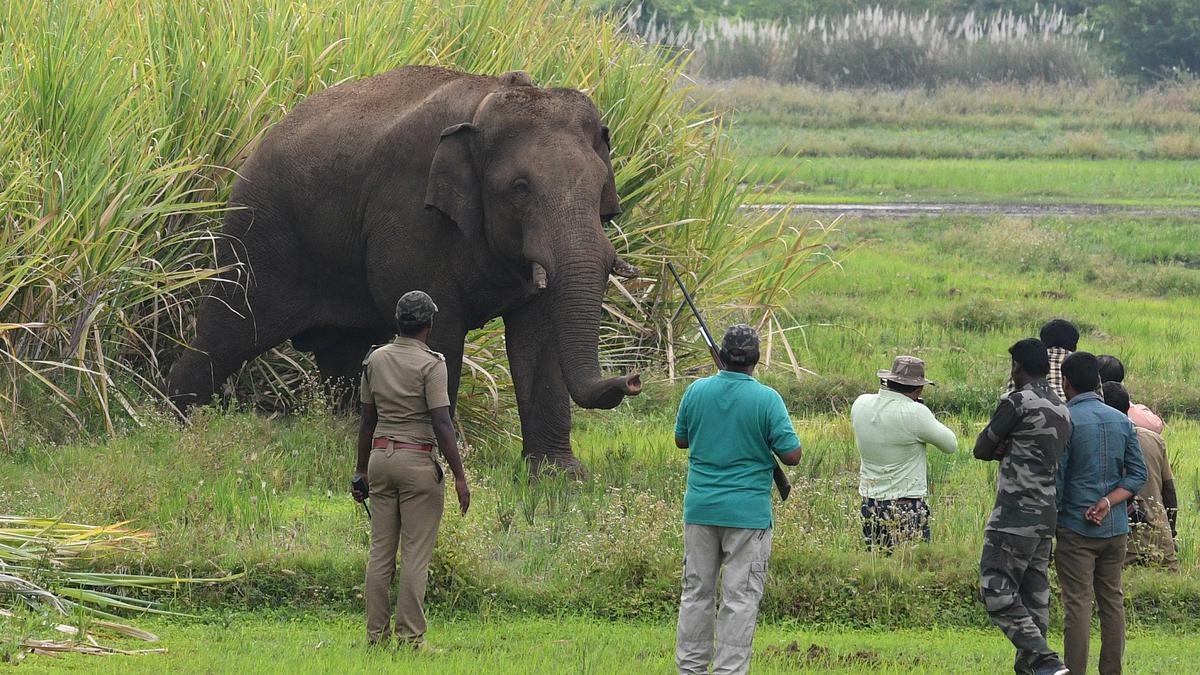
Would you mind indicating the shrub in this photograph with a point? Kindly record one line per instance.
(1152, 38)
(874, 46)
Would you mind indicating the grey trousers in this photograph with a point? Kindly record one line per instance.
(744, 554)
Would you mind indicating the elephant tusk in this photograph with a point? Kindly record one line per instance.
(539, 276)
(624, 269)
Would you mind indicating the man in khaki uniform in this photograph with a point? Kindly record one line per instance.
(1152, 518)
(406, 410)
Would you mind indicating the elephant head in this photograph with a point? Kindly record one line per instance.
(530, 178)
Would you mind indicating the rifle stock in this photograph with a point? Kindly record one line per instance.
(782, 484)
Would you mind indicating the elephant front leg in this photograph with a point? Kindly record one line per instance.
(542, 398)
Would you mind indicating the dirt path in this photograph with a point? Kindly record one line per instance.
(1002, 210)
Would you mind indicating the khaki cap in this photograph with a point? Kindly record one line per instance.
(907, 370)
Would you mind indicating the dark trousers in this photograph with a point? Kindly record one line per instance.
(887, 521)
(1090, 568)
(1016, 592)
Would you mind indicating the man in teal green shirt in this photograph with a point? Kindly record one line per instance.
(733, 427)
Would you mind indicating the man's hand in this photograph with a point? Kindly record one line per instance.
(358, 486)
(1098, 512)
(464, 494)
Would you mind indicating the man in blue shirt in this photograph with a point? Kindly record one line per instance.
(734, 428)
(1101, 467)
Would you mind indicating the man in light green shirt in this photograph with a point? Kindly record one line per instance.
(892, 429)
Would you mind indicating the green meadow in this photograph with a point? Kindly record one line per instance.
(322, 642)
(1106, 143)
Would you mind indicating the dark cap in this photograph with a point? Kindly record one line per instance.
(415, 308)
(741, 343)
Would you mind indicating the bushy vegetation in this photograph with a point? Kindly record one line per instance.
(119, 152)
(1149, 39)
(680, 11)
(1153, 38)
(887, 47)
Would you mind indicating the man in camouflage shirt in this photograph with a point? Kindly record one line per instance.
(1026, 434)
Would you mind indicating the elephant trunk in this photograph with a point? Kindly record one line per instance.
(578, 283)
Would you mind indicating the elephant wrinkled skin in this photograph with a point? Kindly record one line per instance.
(487, 192)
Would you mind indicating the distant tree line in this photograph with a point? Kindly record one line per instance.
(1146, 38)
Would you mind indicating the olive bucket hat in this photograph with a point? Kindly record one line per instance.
(415, 308)
(908, 370)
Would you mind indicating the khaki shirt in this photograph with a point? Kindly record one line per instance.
(404, 379)
(1158, 470)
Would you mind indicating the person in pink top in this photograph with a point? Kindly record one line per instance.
(1112, 370)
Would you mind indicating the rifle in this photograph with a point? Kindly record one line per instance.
(781, 480)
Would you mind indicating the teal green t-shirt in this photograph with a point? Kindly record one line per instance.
(732, 424)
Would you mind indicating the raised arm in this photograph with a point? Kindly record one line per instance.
(990, 443)
(930, 430)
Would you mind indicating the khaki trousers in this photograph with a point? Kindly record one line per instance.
(744, 554)
(1090, 567)
(1152, 544)
(407, 495)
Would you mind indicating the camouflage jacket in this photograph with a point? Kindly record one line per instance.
(1027, 433)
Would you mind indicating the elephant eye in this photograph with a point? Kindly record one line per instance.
(520, 185)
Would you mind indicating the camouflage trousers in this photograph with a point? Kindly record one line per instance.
(1016, 592)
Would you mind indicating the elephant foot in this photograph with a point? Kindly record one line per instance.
(543, 464)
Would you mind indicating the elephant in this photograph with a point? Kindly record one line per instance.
(489, 193)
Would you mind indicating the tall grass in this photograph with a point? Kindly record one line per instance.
(879, 46)
(123, 124)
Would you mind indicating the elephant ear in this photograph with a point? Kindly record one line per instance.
(453, 187)
(610, 203)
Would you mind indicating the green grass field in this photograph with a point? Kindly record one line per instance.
(325, 642)
(1118, 182)
(1105, 144)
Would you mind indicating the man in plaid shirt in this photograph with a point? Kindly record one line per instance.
(1061, 338)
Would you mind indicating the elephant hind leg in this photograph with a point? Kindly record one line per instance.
(233, 327)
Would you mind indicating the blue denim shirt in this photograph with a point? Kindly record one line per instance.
(1102, 455)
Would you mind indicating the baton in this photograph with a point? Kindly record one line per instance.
(781, 480)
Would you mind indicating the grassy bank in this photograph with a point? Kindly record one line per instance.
(325, 642)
